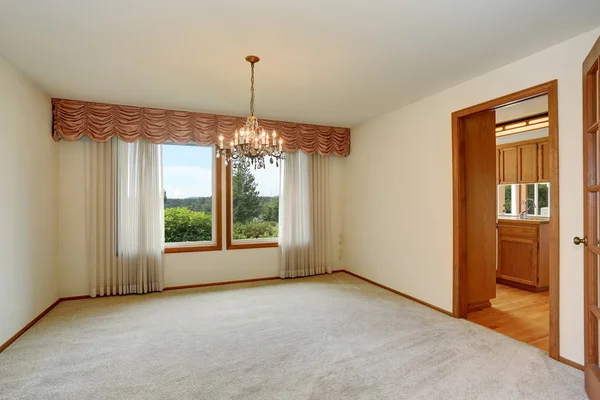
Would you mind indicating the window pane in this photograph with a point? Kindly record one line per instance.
(255, 197)
(530, 199)
(188, 183)
(544, 204)
(507, 199)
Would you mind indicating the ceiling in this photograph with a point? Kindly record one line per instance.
(322, 61)
(524, 109)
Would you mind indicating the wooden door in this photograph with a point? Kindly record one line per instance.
(527, 167)
(518, 260)
(480, 206)
(544, 162)
(591, 168)
(509, 165)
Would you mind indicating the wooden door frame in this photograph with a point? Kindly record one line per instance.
(459, 293)
(590, 275)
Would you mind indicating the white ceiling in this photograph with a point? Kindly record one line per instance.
(528, 108)
(323, 61)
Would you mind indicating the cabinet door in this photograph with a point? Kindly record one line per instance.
(518, 259)
(528, 163)
(509, 165)
(543, 162)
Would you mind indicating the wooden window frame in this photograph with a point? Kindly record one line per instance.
(248, 243)
(214, 245)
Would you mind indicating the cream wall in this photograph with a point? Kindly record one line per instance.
(398, 225)
(181, 268)
(28, 221)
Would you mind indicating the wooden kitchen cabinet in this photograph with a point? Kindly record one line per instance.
(527, 163)
(523, 254)
(523, 162)
(508, 165)
(544, 161)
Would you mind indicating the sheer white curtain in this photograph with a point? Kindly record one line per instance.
(124, 207)
(304, 216)
(101, 215)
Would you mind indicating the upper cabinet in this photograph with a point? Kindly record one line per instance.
(527, 156)
(544, 161)
(523, 162)
(508, 165)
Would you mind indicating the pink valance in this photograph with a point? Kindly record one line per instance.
(74, 119)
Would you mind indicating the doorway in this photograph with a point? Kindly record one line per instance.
(523, 183)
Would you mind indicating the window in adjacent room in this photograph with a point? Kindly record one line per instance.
(507, 199)
(511, 199)
(253, 209)
(539, 196)
(191, 181)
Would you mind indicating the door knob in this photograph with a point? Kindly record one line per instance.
(577, 240)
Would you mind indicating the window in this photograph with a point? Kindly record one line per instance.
(253, 207)
(538, 199)
(504, 199)
(192, 198)
(508, 199)
(535, 196)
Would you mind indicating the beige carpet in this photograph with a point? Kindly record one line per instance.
(331, 337)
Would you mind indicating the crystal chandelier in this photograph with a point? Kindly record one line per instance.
(252, 144)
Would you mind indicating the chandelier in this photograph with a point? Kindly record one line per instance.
(252, 144)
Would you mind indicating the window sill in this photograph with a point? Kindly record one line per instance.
(192, 249)
(251, 245)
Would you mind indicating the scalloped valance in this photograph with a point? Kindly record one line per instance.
(100, 122)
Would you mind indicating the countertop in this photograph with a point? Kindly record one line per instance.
(528, 220)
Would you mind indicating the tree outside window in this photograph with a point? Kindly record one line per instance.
(255, 215)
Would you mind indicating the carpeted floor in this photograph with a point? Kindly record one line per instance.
(329, 337)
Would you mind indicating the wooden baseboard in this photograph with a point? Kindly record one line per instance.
(521, 285)
(200, 285)
(478, 306)
(571, 363)
(29, 325)
(399, 293)
(75, 298)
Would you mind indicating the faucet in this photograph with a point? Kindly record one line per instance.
(523, 215)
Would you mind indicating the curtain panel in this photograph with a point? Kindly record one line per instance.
(305, 216)
(124, 220)
(100, 122)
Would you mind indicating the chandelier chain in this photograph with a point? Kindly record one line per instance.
(252, 90)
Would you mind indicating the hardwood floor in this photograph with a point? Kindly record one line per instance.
(519, 314)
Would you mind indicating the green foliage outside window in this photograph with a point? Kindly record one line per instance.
(507, 199)
(184, 225)
(254, 216)
(255, 230)
(246, 199)
(543, 195)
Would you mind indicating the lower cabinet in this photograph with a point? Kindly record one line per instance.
(523, 254)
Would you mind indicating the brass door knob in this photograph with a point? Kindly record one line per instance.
(577, 240)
